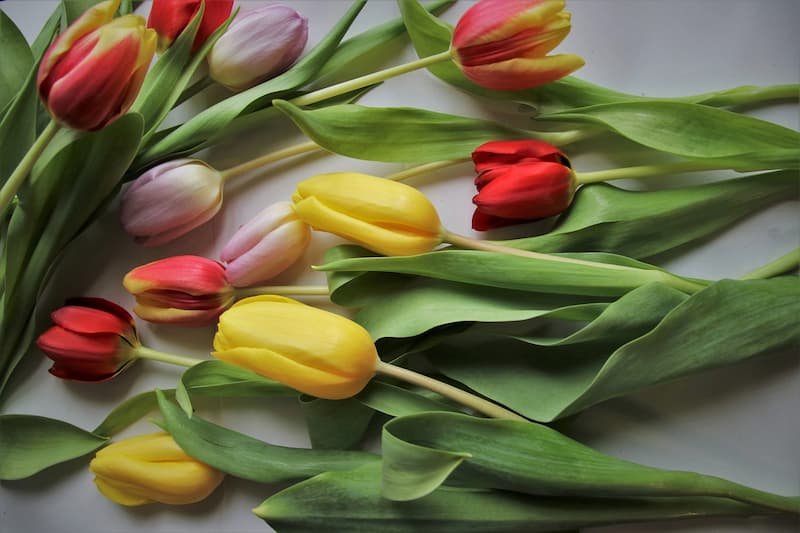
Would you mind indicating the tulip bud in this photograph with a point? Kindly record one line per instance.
(385, 216)
(503, 45)
(92, 340)
(152, 468)
(258, 45)
(93, 71)
(170, 200)
(311, 350)
(186, 290)
(520, 181)
(265, 246)
(170, 17)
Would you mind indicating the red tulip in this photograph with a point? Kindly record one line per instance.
(186, 290)
(93, 71)
(503, 44)
(92, 340)
(520, 181)
(170, 17)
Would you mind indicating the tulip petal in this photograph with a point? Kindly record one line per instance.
(483, 222)
(500, 153)
(251, 233)
(191, 274)
(273, 254)
(522, 73)
(86, 320)
(174, 315)
(118, 494)
(493, 20)
(387, 241)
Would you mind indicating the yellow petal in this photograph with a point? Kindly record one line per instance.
(118, 494)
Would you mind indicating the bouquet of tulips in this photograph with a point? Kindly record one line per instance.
(470, 355)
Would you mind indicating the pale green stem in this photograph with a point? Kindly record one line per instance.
(144, 352)
(422, 169)
(644, 171)
(369, 79)
(284, 290)
(781, 265)
(17, 178)
(271, 157)
(463, 397)
(475, 244)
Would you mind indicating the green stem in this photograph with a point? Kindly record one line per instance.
(463, 397)
(644, 171)
(714, 486)
(284, 290)
(271, 157)
(422, 169)
(369, 79)
(774, 268)
(461, 241)
(144, 352)
(17, 178)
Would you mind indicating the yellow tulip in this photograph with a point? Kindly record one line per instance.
(311, 350)
(152, 468)
(385, 216)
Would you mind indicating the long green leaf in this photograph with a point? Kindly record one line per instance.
(335, 424)
(249, 458)
(695, 131)
(518, 273)
(29, 444)
(350, 502)
(645, 223)
(17, 60)
(194, 132)
(420, 452)
(728, 322)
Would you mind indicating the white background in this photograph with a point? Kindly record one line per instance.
(739, 422)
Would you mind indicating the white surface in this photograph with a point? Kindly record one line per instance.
(739, 422)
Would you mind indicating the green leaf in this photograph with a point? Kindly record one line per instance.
(167, 79)
(195, 132)
(18, 127)
(335, 424)
(645, 223)
(75, 8)
(695, 131)
(533, 459)
(396, 401)
(351, 52)
(249, 458)
(727, 322)
(131, 410)
(350, 502)
(400, 134)
(29, 444)
(519, 273)
(17, 60)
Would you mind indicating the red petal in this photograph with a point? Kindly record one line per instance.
(487, 16)
(189, 274)
(60, 344)
(483, 222)
(496, 153)
(90, 321)
(103, 305)
(217, 11)
(170, 17)
(527, 191)
(523, 73)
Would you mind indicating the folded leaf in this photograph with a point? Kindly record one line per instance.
(17, 61)
(421, 451)
(335, 424)
(350, 502)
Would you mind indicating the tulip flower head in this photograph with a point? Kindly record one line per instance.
(93, 71)
(311, 350)
(91, 340)
(170, 17)
(503, 44)
(152, 468)
(258, 45)
(185, 289)
(520, 181)
(170, 200)
(385, 216)
(265, 246)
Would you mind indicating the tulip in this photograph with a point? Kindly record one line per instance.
(258, 45)
(311, 350)
(152, 468)
(93, 71)
(265, 246)
(503, 45)
(520, 181)
(92, 340)
(170, 200)
(186, 290)
(385, 216)
(170, 17)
